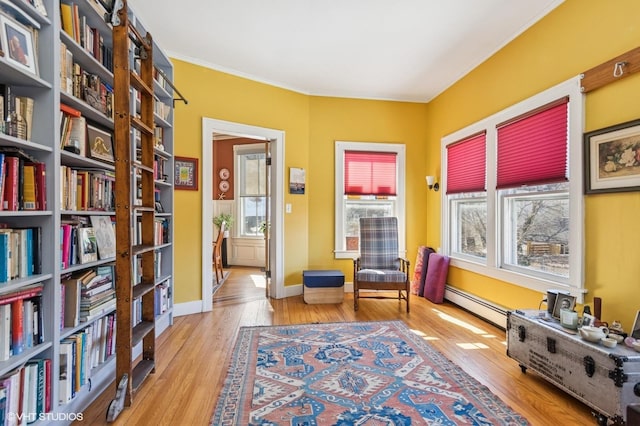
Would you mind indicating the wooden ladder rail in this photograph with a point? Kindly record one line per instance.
(130, 373)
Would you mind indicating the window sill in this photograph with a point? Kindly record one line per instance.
(346, 254)
(518, 279)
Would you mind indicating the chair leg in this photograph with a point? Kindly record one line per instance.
(355, 297)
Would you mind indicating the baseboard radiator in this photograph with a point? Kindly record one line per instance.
(488, 311)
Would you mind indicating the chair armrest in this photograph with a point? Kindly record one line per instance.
(404, 264)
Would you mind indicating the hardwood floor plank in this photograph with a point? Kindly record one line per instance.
(194, 354)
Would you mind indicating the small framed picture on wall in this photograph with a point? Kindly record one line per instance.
(186, 173)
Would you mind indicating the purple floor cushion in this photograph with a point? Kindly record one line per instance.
(436, 277)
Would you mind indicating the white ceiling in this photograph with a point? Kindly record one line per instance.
(406, 50)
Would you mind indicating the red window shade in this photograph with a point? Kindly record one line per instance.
(532, 149)
(467, 165)
(369, 173)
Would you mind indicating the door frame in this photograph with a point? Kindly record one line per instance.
(276, 243)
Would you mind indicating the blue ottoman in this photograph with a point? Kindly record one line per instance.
(323, 286)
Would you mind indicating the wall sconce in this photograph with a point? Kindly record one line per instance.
(432, 184)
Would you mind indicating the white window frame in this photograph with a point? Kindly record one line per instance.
(340, 148)
(238, 150)
(491, 266)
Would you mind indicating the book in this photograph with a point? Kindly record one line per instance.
(10, 197)
(5, 256)
(77, 140)
(66, 15)
(23, 293)
(29, 187)
(41, 185)
(2, 173)
(17, 324)
(71, 301)
(65, 376)
(26, 113)
(87, 245)
(5, 332)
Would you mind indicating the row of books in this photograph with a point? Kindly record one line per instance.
(25, 393)
(16, 112)
(160, 168)
(85, 240)
(160, 231)
(90, 88)
(87, 189)
(162, 297)
(22, 181)
(20, 252)
(161, 109)
(86, 295)
(21, 321)
(82, 352)
(89, 38)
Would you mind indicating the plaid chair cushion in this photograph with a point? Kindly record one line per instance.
(379, 243)
(381, 275)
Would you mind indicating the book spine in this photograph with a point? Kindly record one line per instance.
(10, 200)
(17, 322)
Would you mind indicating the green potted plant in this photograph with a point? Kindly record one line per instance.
(225, 218)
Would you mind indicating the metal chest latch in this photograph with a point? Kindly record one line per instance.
(618, 376)
(551, 345)
(589, 366)
(522, 333)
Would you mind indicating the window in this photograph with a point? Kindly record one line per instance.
(369, 183)
(516, 214)
(250, 189)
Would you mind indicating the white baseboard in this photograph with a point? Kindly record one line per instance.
(484, 309)
(187, 308)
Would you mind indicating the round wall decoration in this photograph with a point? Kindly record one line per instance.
(224, 173)
(223, 186)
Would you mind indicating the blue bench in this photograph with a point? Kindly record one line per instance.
(323, 286)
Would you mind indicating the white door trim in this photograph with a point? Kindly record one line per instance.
(209, 127)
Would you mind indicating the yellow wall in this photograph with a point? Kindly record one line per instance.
(575, 37)
(362, 121)
(221, 96)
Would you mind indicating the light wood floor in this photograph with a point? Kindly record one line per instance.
(193, 355)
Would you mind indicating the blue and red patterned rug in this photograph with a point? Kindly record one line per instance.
(358, 373)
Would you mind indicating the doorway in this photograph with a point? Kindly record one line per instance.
(275, 259)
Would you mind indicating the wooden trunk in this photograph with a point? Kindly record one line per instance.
(606, 379)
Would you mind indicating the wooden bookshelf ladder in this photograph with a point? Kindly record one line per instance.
(133, 172)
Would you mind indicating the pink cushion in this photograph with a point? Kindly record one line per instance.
(436, 277)
(418, 271)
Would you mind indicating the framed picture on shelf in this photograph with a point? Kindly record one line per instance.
(87, 245)
(18, 45)
(100, 144)
(612, 158)
(186, 173)
(563, 301)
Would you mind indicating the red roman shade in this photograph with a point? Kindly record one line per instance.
(532, 149)
(369, 173)
(467, 165)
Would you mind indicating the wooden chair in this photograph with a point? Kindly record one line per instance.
(379, 267)
(217, 255)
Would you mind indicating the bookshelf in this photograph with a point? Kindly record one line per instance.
(66, 77)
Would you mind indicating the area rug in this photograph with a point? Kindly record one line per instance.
(358, 373)
(216, 286)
